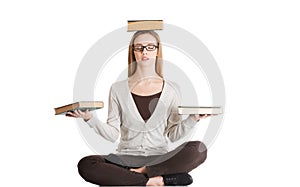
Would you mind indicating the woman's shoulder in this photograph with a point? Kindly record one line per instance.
(172, 87)
(119, 88)
(120, 84)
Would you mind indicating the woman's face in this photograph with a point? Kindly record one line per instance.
(145, 48)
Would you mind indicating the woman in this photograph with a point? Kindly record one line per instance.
(143, 112)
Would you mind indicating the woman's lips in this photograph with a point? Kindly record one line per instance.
(144, 58)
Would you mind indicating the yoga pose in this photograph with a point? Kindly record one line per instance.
(142, 114)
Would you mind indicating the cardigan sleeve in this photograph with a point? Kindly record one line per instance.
(111, 129)
(176, 127)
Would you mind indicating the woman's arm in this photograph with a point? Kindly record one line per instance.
(109, 130)
(176, 127)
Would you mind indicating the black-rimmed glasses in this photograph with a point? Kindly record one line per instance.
(140, 48)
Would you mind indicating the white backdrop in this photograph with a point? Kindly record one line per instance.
(255, 43)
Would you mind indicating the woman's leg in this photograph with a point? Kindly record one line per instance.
(97, 170)
(183, 159)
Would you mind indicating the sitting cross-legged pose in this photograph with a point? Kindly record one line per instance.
(143, 116)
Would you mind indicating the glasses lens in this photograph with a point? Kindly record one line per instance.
(150, 47)
(138, 48)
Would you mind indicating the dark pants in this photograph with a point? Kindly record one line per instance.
(97, 170)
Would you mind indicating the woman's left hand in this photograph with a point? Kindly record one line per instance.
(197, 117)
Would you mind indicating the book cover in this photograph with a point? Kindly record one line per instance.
(199, 110)
(81, 105)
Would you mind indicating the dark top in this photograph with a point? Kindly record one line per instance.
(146, 104)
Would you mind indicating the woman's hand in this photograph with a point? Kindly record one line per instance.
(86, 115)
(197, 117)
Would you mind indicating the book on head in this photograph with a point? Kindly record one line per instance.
(137, 25)
(81, 105)
(199, 110)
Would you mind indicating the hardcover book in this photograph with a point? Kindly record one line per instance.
(137, 25)
(199, 110)
(81, 105)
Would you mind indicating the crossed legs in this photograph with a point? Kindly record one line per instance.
(97, 170)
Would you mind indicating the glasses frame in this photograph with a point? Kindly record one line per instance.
(145, 47)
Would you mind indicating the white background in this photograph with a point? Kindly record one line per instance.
(255, 43)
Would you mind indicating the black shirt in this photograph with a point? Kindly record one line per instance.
(146, 104)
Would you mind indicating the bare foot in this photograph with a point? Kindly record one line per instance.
(155, 181)
(139, 170)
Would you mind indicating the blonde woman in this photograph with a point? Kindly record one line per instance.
(143, 113)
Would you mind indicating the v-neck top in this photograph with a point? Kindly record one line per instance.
(146, 104)
(137, 136)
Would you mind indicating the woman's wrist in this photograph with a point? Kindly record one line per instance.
(87, 118)
(195, 118)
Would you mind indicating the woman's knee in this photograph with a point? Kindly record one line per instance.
(197, 150)
(88, 160)
(84, 165)
(196, 146)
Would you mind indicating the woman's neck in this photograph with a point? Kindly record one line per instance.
(143, 75)
(144, 72)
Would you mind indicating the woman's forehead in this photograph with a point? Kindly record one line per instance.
(145, 38)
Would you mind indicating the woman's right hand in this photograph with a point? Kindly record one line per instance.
(86, 115)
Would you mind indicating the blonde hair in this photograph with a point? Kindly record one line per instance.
(131, 58)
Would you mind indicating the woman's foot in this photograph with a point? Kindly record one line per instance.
(179, 179)
(139, 170)
(155, 181)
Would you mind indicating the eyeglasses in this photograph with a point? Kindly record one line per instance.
(140, 48)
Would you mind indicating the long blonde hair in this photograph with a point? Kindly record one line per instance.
(131, 58)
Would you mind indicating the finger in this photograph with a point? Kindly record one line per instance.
(77, 113)
(210, 115)
(80, 112)
(70, 114)
(203, 116)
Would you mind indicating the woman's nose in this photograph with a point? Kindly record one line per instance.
(144, 51)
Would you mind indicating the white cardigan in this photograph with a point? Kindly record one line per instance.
(137, 136)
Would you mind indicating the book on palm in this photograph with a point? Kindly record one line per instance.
(81, 105)
(199, 110)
